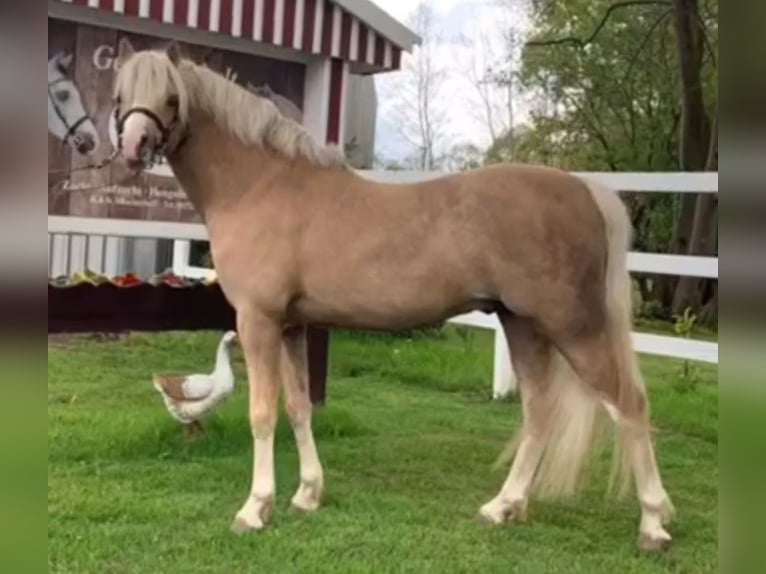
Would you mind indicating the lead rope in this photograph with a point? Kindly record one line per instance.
(98, 165)
(91, 166)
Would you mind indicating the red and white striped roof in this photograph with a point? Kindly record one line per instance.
(319, 27)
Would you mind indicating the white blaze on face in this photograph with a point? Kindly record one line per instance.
(139, 136)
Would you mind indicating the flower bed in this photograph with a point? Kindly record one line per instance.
(92, 303)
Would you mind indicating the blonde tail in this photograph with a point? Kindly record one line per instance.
(619, 302)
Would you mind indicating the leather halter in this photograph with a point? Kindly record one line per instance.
(165, 131)
(71, 129)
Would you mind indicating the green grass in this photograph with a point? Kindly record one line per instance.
(408, 438)
(660, 327)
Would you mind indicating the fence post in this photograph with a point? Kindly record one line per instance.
(181, 251)
(504, 378)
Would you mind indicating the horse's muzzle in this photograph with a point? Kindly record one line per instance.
(84, 142)
(139, 152)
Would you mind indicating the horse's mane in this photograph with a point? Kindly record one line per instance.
(251, 118)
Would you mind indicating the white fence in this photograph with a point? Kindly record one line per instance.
(84, 233)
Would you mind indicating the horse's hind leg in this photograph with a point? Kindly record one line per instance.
(531, 354)
(617, 381)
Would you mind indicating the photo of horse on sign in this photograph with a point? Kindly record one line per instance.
(67, 118)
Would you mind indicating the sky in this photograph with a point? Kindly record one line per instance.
(480, 23)
(400, 9)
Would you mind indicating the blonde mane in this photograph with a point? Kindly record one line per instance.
(251, 118)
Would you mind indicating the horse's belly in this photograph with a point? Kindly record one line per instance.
(383, 314)
(335, 314)
(390, 289)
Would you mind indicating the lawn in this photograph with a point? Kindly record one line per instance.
(408, 438)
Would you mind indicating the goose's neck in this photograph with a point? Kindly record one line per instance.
(222, 360)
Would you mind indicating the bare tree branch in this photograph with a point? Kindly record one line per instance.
(645, 41)
(416, 112)
(594, 125)
(672, 134)
(581, 43)
(712, 156)
(707, 41)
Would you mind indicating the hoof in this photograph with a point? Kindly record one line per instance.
(497, 513)
(308, 497)
(240, 526)
(254, 516)
(657, 542)
(305, 506)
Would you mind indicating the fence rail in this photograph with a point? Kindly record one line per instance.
(82, 242)
(72, 252)
(109, 255)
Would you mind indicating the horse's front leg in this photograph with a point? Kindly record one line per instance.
(295, 378)
(261, 340)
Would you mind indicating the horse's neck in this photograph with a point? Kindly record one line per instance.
(54, 122)
(215, 169)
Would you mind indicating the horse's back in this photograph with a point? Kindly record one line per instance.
(534, 231)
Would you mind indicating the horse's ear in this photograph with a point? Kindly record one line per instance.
(125, 50)
(174, 52)
(64, 63)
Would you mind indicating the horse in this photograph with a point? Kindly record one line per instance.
(67, 119)
(542, 248)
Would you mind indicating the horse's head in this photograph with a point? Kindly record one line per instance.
(151, 103)
(67, 118)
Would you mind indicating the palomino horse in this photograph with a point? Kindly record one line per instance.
(67, 118)
(543, 249)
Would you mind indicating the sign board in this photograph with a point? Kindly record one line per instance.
(81, 69)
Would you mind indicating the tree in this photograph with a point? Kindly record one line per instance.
(416, 112)
(699, 149)
(388, 164)
(610, 87)
(462, 157)
(491, 70)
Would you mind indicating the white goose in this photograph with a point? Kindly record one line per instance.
(190, 398)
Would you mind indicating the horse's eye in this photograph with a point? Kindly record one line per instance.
(62, 95)
(173, 101)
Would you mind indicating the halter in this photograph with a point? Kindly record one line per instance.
(165, 131)
(71, 129)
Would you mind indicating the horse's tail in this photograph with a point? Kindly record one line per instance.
(632, 405)
(577, 418)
